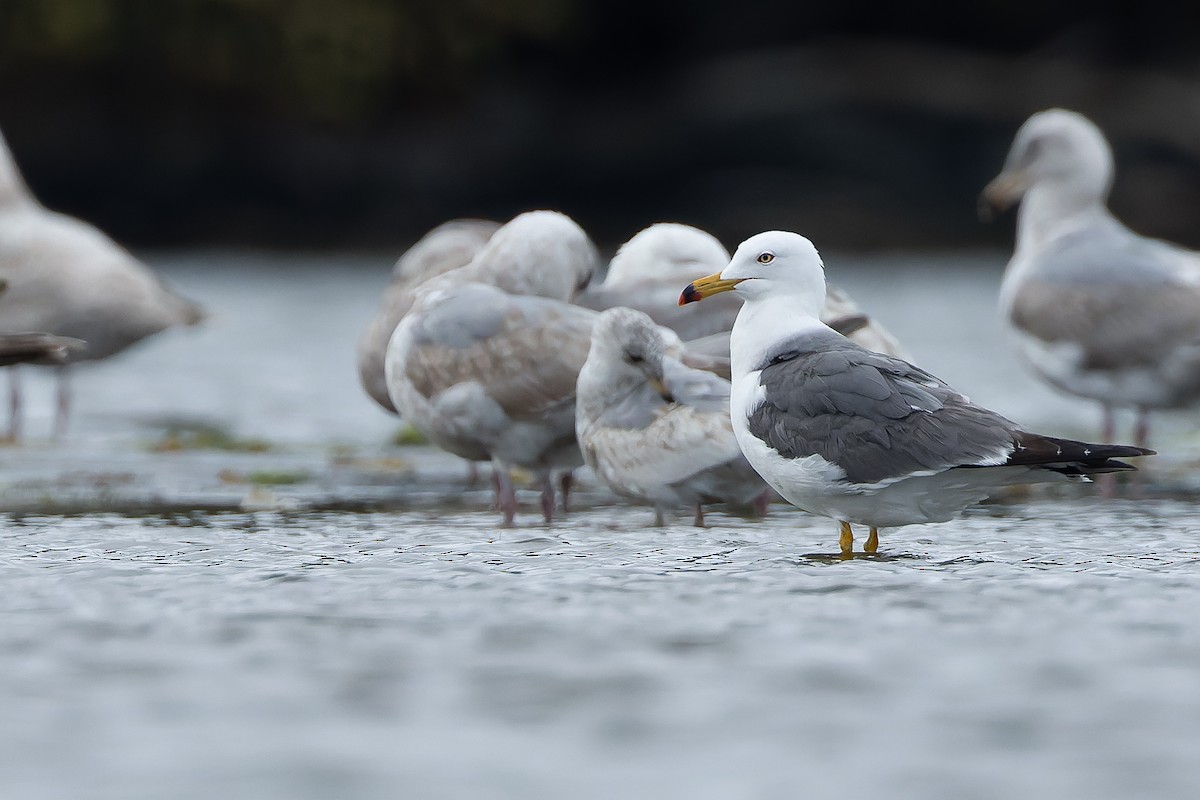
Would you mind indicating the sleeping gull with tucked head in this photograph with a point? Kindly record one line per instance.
(1098, 311)
(654, 429)
(858, 436)
(448, 246)
(484, 363)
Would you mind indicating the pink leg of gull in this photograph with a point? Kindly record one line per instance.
(547, 497)
(506, 496)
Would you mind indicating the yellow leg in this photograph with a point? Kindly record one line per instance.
(872, 541)
(846, 540)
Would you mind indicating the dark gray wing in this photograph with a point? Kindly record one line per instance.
(875, 416)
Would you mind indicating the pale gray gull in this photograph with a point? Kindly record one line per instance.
(1097, 310)
(654, 429)
(862, 437)
(484, 364)
(648, 270)
(67, 278)
(448, 246)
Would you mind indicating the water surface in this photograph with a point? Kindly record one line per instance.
(172, 625)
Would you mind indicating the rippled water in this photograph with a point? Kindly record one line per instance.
(1043, 646)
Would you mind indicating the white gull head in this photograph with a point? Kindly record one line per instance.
(779, 264)
(1059, 152)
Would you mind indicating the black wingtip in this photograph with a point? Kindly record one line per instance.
(1080, 458)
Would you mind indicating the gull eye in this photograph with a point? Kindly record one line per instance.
(765, 258)
(635, 359)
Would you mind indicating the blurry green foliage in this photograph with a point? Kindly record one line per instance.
(206, 437)
(322, 59)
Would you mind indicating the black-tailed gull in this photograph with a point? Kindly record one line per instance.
(448, 246)
(859, 436)
(1097, 310)
(484, 363)
(648, 270)
(67, 278)
(654, 429)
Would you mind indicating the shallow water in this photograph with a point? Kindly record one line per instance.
(170, 627)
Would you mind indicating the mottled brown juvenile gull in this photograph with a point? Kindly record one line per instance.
(654, 429)
(648, 270)
(859, 436)
(67, 278)
(484, 363)
(448, 246)
(1097, 310)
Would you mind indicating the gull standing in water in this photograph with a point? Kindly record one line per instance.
(858, 436)
(654, 429)
(65, 277)
(1098, 311)
(484, 364)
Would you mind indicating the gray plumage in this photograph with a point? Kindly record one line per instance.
(875, 417)
(654, 429)
(448, 246)
(1120, 318)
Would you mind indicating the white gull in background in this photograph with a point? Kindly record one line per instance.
(862, 437)
(654, 429)
(484, 363)
(1098, 311)
(65, 277)
(448, 246)
(648, 270)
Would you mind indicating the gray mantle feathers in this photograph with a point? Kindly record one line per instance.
(880, 419)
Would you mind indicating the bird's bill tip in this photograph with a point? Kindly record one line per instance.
(707, 286)
(999, 195)
(660, 387)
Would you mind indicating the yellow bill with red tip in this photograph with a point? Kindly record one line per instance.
(706, 287)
